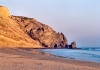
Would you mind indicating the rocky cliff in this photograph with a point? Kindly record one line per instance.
(38, 31)
(29, 31)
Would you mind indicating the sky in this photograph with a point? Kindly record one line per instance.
(78, 20)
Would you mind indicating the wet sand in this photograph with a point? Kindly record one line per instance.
(31, 59)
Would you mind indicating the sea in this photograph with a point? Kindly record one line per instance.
(83, 54)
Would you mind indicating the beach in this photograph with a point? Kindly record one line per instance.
(32, 59)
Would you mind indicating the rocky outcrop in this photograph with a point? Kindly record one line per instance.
(47, 37)
(73, 45)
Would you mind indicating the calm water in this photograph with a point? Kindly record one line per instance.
(84, 54)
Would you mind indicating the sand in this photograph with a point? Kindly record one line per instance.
(30, 59)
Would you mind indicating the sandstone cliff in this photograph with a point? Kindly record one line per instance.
(19, 31)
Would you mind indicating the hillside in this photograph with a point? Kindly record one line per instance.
(10, 33)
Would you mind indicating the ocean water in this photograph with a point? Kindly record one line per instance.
(84, 54)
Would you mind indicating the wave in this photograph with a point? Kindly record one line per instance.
(91, 49)
(85, 54)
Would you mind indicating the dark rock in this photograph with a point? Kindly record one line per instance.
(55, 46)
(73, 45)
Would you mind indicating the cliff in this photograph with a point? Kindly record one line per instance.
(40, 32)
(19, 31)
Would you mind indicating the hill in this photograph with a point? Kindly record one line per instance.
(24, 32)
(10, 33)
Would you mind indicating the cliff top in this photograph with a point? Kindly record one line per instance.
(4, 12)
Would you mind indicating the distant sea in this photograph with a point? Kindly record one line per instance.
(83, 54)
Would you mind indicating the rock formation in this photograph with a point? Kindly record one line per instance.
(47, 37)
(73, 45)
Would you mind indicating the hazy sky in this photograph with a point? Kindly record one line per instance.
(79, 20)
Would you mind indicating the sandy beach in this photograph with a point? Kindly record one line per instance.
(31, 59)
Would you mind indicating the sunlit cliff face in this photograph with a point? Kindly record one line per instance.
(4, 12)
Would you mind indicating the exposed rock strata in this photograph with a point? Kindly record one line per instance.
(40, 32)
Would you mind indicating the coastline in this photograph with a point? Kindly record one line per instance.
(32, 59)
(83, 54)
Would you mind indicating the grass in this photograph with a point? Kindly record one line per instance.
(12, 36)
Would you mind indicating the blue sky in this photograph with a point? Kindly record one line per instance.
(79, 20)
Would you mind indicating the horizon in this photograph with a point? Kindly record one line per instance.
(77, 20)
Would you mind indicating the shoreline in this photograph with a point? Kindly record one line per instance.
(27, 55)
(71, 58)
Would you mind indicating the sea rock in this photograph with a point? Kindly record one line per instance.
(73, 45)
(38, 31)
